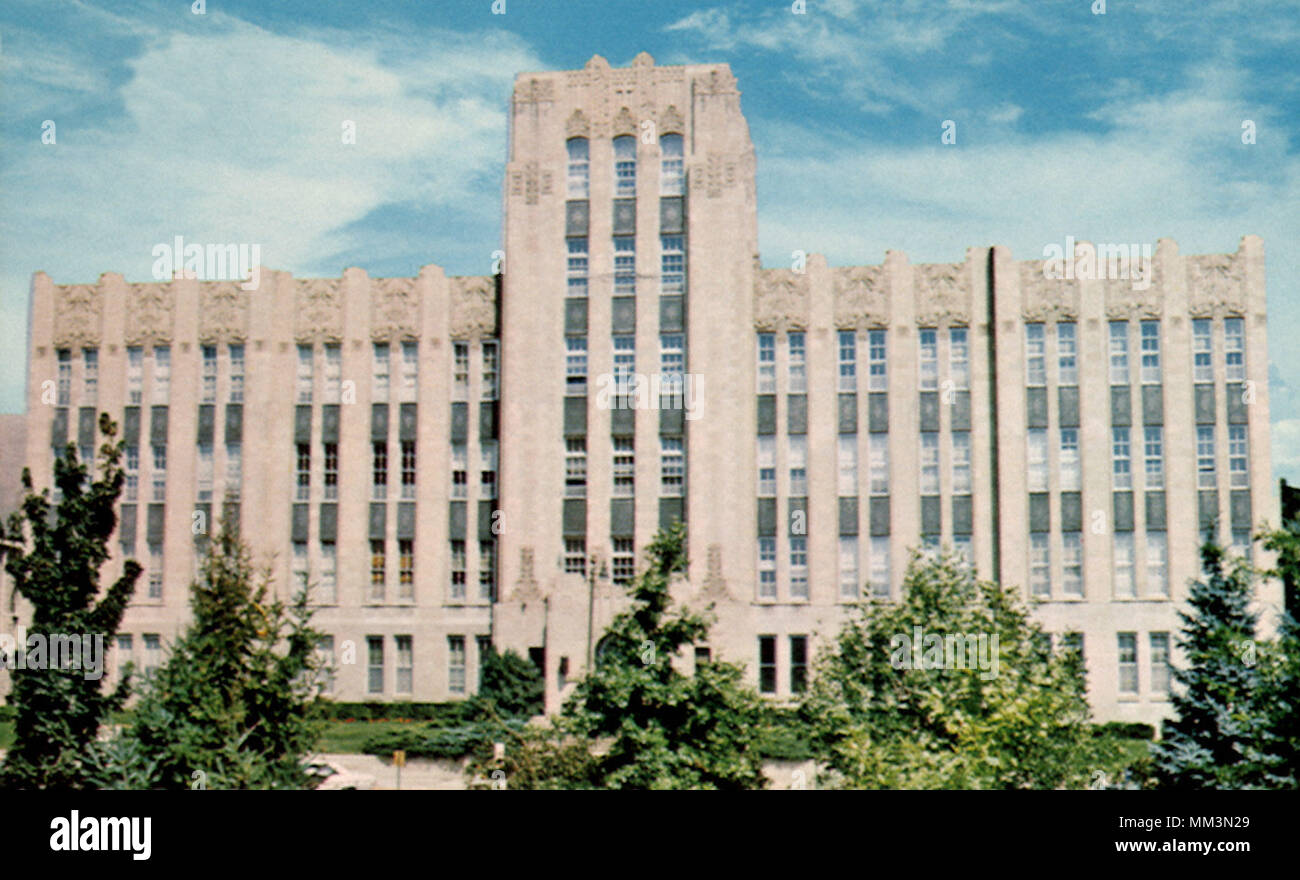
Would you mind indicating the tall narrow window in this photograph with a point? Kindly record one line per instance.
(1159, 662)
(1205, 465)
(305, 366)
(1070, 472)
(624, 467)
(1157, 564)
(1125, 571)
(880, 567)
(575, 366)
(1202, 351)
(877, 358)
(624, 367)
(378, 569)
(301, 571)
(797, 454)
(929, 463)
(155, 571)
(577, 265)
(406, 569)
(333, 372)
(325, 663)
(459, 470)
(458, 566)
(134, 375)
(487, 569)
(489, 378)
(1035, 355)
(234, 470)
(152, 654)
(929, 362)
(798, 567)
(1238, 474)
(623, 561)
(411, 370)
(959, 357)
(460, 371)
(159, 472)
(575, 556)
(1150, 352)
(408, 470)
(767, 363)
(375, 664)
(1037, 444)
(132, 469)
(203, 477)
(328, 594)
(162, 374)
(879, 452)
(575, 467)
(405, 664)
(1119, 353)
(1040, 565)
(672, 362)
(379, 471)
(236, 352)
(797, 364)
(578, 168)
(303, 472)
(671, 174)
(767, 568)
(1121, 459)
(625, 166)
(331, 471)
(798, 664)
(961, 479)
(848, 464)
(767, 664)
(1067, 355)
(672, 463)
(125, 652)
(767, 466)
(672, 279)
(1072, 564)
(848, 356)
(487, 482)
(209, 393)
(90, 376)
(1154, 456)
(1128, 662)
(624, 265)
(380, 375)
(849, 588)
(1234, 349)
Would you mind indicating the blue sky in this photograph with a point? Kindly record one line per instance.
(224, 127)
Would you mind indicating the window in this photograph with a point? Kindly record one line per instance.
(406, 569)
(575, 366)
(1150, 352)
(134, 376)
(408, 469)
(1202, 351)
(405, 664)
(460, 371)
(624, 561)
(303, 472)
(961, 479)
(848, 356)
(848, 464)
(577, 266)
(575, 555)
(375, 659)
(624, 367)
(929, 340)
(155, 571)
(159, 472)
(132, 469)
(1121, 459)
(849, 567)
(162, 373)
(767, 466)
(1119, 353)
(929, 463)
(1157, 564)
(797, 364)
(209, 393)
(798, 567)
(1234, 349)
(767, 568)
(331, 471)
(672, 279)
(798, 664)
(1153, 452)
(1238, 475)
(767, 664)
(125, 652)
(411, 370)
(672, 362)
(1159, 662)
(671, 169)
(458, 569)
(203, 478)
(1072, 642)
(378, 570)
(234, 470)
(489, 378)
(767, 363)
(1125, 578)
(379, 471)
(90, 376)
(575, 467)
(880, 567)
(624, 467)
(380, 373)
(798, 458)
(305, 366)
(1067, 355)
(959, 357)
(152, 654)
(579, 168)
(672, 463)
(625, 166)
(325, 659)
(1205, 472)
(459, 470)
(1072, 564)
(1128, 660)
(333, 372)
(877, 378)
(1040, 565)
(487, 484)
(236, 352)
(1241, 543)
(879, 452)
(961, 544)
(1070, 473)
(328, 592)
(301, 568)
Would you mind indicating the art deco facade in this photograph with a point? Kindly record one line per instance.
(441, 459)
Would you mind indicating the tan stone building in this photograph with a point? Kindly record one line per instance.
(453, 460)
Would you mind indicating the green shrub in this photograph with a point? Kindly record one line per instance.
(1125, 730)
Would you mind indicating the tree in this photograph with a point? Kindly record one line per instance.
(1212, 740)
(54, 555)
(511, 683)
(951, 687)
(233, 706)
(1279, 687)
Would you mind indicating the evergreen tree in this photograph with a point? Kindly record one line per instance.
(1212, 740)
(1279, 694)
(54, 555)
(512, 684)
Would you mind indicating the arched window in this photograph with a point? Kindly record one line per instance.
(578, 168)
(670, 169)
(625, 166)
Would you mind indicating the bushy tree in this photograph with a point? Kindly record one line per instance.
(1213, 739)
(54, 555)
(1279, 686)
(878, 720)
(511, 683)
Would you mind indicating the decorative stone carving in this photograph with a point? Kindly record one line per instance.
(78, 316)
(223, 312)
(623, 123)
(577, 125)
(473, 307)
(318, 312)
(1216, 286)
(941, 295)
(671, 122)
(1046, 299)
(149, 312)
(717, 82)
(780, 300)
(1124, 301)
(535, 91)
(716, 173)
(643, 59)
(526, 588)
(715, 586)
(394, 309)
(530, 182)
(861, 297)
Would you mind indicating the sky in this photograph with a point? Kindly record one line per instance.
(224, 126)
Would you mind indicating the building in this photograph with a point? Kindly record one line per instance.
(449, 460)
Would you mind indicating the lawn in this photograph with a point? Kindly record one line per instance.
(347, 737)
